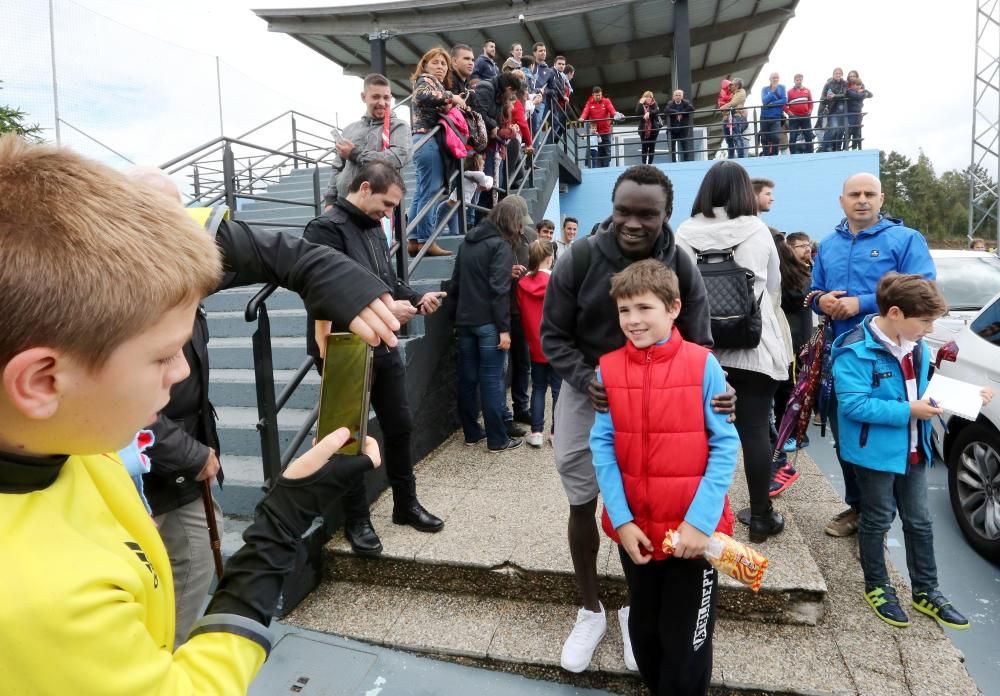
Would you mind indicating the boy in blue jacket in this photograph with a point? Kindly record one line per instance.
(880, 368)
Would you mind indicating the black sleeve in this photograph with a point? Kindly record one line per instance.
(558, 330)
(251, 583)
(695, 320)
(332, 286)
(322, 231)
(501, 264)
(481, 100)
(174, 451)
(453, 286)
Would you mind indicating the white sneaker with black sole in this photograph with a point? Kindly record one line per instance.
(512, 444)
(626, 641)
(586, 635)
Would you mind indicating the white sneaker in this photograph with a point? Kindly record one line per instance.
(535, 439)
(583, 640)
(626, 641)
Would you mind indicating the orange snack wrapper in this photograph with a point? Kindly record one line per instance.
(729, 556)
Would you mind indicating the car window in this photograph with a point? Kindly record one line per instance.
(987, 324)
(968, 283)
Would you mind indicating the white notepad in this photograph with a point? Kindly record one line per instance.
(954, 396)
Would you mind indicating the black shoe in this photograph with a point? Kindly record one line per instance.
(514, 430)
(473, 443)
(512, 444)
(935, 605)
(744, 516)
(522, 417)
(765, 526)
(417, 517)
(882, 599)
(364, 540)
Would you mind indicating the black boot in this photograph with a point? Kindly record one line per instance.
(364, 540)
(766, 525)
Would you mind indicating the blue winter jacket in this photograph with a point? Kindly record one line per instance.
(855, 263)
(774, 102)
(873, 410)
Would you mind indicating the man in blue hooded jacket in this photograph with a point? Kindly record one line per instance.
(774, 100)
(864, 247)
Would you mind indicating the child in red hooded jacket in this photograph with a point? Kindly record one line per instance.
(530, 297)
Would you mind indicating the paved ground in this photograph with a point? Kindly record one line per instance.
(969, 580)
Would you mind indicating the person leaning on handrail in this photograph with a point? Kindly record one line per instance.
(430, 100)
(649, 126)
(856, 95)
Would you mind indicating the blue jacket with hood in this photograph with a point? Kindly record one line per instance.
(856, 263)
(872, 405)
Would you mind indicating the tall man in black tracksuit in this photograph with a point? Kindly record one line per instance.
(353, 227)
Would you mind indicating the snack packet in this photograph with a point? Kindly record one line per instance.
(729, 556)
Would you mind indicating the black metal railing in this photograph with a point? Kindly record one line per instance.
(740, 132)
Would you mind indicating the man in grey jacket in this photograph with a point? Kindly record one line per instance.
(579, 325)
(362, 141)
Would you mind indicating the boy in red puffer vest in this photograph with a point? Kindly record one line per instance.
(664, 461)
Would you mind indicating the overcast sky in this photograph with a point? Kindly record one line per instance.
(129, 85)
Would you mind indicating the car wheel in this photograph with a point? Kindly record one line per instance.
(974, 487)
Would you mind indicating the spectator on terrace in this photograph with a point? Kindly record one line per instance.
(774, 100)
(649, 126)
(543, 83)
(513, 61)
(600, 110)
(724, 93)
(834, 109)
(799, 110)
(736, 120)
(561, 98)
(568, 74)
(678, 113)
(491, 99)
(856, 95)
(546, 229)
(570, 227)
(977, 244)
(462, 60)
(486, 66)
(430, 100)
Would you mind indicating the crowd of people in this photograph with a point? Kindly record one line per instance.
(652, 393)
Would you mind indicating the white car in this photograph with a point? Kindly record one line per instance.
(967, 279)
(972, 449)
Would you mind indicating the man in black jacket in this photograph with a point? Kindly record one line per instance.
(488, 100)
(353, 228)
(579, 325)
(678, 115)
(186, 445)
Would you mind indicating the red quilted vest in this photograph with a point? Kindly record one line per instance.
(655, 397)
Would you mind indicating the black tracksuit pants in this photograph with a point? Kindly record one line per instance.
(671, 622)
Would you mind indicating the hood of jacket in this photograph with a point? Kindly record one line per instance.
(534, 285)
(884, 222)
(721, 232)
(483, 231)
(664, 249)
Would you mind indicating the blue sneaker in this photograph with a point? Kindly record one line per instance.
(789, 445)
(937, 607)
(882, 599)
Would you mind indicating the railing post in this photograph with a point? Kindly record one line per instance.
(317, 197)
(229, 177)
(267, 412)
(295, 143)
(462, 223)
(197, 183)
(399, 227)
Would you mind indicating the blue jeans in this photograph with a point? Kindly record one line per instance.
(881, 492)
(480, 367)
(769, 140)
(537, 116)
(736, 141)
(800, 127)
(853, 131)
(542, 376)
(833, 136)
(430, 176)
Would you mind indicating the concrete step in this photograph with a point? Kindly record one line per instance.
(235, 387)
(287, 352)
(493, 507)
(238, 429)
(283, 322)
(236, 299)
(434, 267)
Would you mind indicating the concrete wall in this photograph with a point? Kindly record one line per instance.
(806, 189)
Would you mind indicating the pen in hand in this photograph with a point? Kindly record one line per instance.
(939, 416)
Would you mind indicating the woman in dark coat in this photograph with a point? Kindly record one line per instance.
(649, 126)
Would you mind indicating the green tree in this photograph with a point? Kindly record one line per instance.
(12, 120)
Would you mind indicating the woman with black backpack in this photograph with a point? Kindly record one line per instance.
(739, 263)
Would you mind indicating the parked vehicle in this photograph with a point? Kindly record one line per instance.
(968, 279)
(972, 449)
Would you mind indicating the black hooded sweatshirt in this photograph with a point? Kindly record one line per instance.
(480, 283)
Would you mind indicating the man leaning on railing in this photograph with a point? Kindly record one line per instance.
(378, 135)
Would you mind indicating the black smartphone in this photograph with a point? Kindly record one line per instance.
(345, 390)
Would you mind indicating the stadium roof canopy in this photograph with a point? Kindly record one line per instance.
(626, 46)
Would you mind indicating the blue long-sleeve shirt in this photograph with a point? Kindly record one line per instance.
(773, 102)
(723, 444)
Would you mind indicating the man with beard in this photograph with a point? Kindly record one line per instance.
(579, 325)
(486, 66)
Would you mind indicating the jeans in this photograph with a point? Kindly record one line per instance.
(430, 176)
(735, 139)
(800, 127)
(649, 149)
(520, 366)
(603, 158)
(537, 116)
(480, 367)
(852, 494)
(542, 376)
(881, 492)
(853, 131)
(392, 408)
(769, 139)
(754, 394)
(833, 136)
(680, 143)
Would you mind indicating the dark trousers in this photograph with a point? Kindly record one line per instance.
(680, 144)
(649, 149)
(800, 127)
(603, 158)
(770, 129)
(480, 369)
(520, 366)
(392, 408)
(542, 377)
(671, 622)
(854, 130)
(852, 494)
(881, 493)
(754, 394)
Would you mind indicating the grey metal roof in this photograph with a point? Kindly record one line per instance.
(623, 45)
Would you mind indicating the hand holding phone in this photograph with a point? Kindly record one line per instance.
(345, 390)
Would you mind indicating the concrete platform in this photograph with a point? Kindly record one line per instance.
(491, 590)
